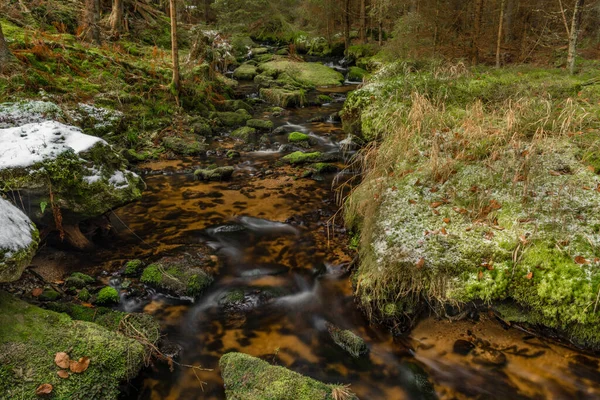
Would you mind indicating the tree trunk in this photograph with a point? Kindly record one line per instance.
(476, 32)
(574, 36)
(206, 11)
(92, 16)
(499, 41)
(363, 21)
(346, 26)
(116, 19)
(6, 57)
(174, 48)
(76, 238)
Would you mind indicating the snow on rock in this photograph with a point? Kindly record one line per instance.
(21, 113)
(26, 145)
(18, 241)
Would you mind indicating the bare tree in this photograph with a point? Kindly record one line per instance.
(574, 35)
(174, 48)
(476, 32)
(6, 57)
(116, 18)
(499, 40)
(363, 21)
(92, 16)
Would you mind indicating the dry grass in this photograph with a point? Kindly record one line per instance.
(342, 392)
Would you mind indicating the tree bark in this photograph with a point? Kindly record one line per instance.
(116, 19)
(6, 57)
(92, 16)
(346, 26)
(574, 36)
(363, 21)
(174, 47)
(499, 41)
(207, 10)
(476, 32)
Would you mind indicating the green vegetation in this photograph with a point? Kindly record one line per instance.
(348, 340)
(480, 192)
(300, 157)
(245, 133)
(245, 72)
(214, 174)
(308, 75)
(133, 267)
(30, 346)
(295, 137)
(251, 378)
(182, 276)
(260, 124)
(108, 295)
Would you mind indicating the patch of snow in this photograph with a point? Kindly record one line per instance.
(118, 179)
(101, 118)
(15, 230)
(17, 114)
(26, 145)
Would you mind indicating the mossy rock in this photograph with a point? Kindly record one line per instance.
(180, 275)
(231, 297)
(186, 145)
(18, 242)
(214, 174)
(232, 119)
(356, 74)
(324, 168)
(107, 296)
(245, 133)
(348, 340)
(309, 75)
(31, 344)
(295, 137)
(250, 378)
(234, 105)
(49, 295)
(26, 112)
(283, 97)
(133, 267)
(260, 124)
(245, 72)
(300, 157)
(84, 295)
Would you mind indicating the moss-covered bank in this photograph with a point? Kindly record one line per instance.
(483, 190)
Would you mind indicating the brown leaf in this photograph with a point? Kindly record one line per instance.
(523, 239)
(480, 275)
(64, 374)
(420, 263)
(489, 235)
(37, 292)
(436, 212)
(411, 201)
(555, 173)
(79, 366)
(529, 275)
(44, 389)
(581, 260)
(444, 231)
(62, 360)
(446, 220)
(436, 204)
(591, 168)
(434, 190)
(494, 205)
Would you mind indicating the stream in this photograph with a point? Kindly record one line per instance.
(283, 250)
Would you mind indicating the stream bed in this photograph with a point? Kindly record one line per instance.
(283, 258)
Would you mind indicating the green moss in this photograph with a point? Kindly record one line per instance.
(182, 276)
(283, 97)
(245, 72)
(232, 119)
(323, 98)
(300, 157)
(84, 295)
(245, 133)
(83, 277)
(31, 344)
(323, 168)
(348, 340)
(250, 378)
(133, 267)
(197, 283)
(306, 74)
(295, 137)
(49, 295)
(108, 295)
(152, 275)
(214, 174)
(187, 145)
(356, 74)
(261, 124)
(231, 297)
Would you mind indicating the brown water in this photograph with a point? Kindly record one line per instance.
(274, 232)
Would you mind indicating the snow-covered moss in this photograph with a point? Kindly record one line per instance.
(18, 241)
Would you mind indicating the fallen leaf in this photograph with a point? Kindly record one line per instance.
(591, 168)
(587, 188)
(44, 389)
(411, 201)
(495, 205)
(444, 232)
(523, 239)
(420, 263)
(436, 212)
(64, 374)
(529, 275)
(62, 360)
(489, 235)
(447, 220)
(433, 190)
(436, 204)
(480, 275)
(581, 260)
(394, 188)
(555, 173)
(79, 366)
(37, 292)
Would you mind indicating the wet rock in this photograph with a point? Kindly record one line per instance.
(84, 295)
(300, 157)
(78, 280)
(133, 267)
(306, 74)
(462, 347)
(356, 74)
(187, 145)
(260, 124)
(214, 174)
(231, 119)
(319, 118)
(296, 137)
(182, 275)
(283, 97)
(245, 133)
(280, 130)
(251, 378)
(233, 154)
(348, 340)
(107, 296)
(245, 72)
(18, 241)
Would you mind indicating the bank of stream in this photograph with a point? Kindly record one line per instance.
(282, 280)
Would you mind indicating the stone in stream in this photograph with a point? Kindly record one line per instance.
(250, 378)
(214, 174)
(245, 72)
(348, 340)
(18, 241)
(182, 275)
(260, 124)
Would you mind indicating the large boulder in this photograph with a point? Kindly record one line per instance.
(59, 169)
(306, 74)
(250, 378)
(28, 351)
(18, 241)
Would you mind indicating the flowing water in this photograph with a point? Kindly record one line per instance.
(282, 249)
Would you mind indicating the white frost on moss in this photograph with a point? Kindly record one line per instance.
(21, 113)
(26, 145)
(15, 230)
(100, 118)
